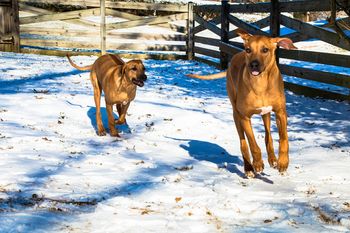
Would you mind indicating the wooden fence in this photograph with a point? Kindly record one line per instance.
(220, 47)
(93, 32)
(86, 28)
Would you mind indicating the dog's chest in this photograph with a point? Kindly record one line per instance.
(122, 96)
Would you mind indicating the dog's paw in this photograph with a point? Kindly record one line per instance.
(114, 133)
(272, 161)
(258, 166)
(282, 165)
(120, 122)
(101, 133)
(249, 174)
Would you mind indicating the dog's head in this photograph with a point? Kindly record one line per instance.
(260, 50)
(134, 71)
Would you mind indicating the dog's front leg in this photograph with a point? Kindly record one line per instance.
(122, 109)
(258, 164)
(248, 168)
(268, 140)
(111, 124)
(283, 158)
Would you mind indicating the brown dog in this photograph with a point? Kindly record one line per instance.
(118, 80)
(255, 86)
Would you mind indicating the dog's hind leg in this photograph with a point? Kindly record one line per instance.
(97, 97)
(248, 168)
(268, 140)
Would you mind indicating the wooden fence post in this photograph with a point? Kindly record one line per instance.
(9, 26)
(190, 33)
(275, 22)
(103, 26)
(225, 11)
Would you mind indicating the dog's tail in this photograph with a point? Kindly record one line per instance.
(78, 67)
(208, 77)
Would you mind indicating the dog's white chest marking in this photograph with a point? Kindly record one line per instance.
(265, 110)
(125, 102)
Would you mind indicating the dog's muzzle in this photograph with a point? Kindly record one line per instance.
(139, 81)
(254, 67)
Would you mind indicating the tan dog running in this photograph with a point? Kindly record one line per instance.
(255, 86)
(118, 80)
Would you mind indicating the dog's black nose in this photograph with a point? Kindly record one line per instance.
(144, 77)
(254, 65)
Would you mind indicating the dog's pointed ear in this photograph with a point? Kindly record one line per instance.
(243, 34)
(123, 69)
(284, 42)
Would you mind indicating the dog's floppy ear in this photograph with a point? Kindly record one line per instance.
(243, 34)
(284, 42)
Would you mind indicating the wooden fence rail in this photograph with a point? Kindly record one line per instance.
(222, 43)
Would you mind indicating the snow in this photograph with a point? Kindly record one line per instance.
(177, 167)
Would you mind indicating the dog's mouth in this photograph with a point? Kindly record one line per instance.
(255, 72)
(138, 82)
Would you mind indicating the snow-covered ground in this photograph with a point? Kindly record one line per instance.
(177, 167)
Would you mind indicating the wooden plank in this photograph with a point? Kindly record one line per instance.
(260, 24)
(297, 36)
(213, 8)
(225, 28)
(292, 6)
(275, 23)
(314, 75)
(207, 40)
(122, 55)
(9, 28)
(168, 25)
(205, 61)
(5, 3)
(210, 26)
(314, 93)
(59, 52)
(250, 8)
(147, 21)
(112, 35)
(59, 16)
(190, 34)
(103, 27)
(201, 28)
(315, 32)
(207, 52)
(31, 9)
(116, 5)
(173, 27)
(121, 14)
(35, 10)
(96, 44)
(305, 6)
(148, 6)
(246, 26)
(316, 57)
(229, 49)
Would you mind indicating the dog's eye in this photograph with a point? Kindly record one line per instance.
(134, 69)
(248, 50)
(265, 50)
